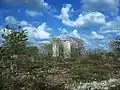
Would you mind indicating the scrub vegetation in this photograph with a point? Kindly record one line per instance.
(26, 67)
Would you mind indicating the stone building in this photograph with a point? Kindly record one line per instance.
(61, 48)
(55, 49)
(66, 48)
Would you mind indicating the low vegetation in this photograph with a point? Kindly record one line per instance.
(22, 67)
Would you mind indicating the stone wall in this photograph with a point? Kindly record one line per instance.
(55, 49)
(68, 46)
(67, 49)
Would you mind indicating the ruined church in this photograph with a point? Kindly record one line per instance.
(66, 47)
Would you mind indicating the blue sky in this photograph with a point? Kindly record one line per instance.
(94, 21)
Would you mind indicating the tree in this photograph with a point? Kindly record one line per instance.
(14, 45)
(15, 42)
(32, 50)
(115, 46)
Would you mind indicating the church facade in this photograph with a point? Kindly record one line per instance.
(65, 48)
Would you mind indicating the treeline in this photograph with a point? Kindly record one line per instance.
(23, 67)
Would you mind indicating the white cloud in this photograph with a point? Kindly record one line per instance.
(110, 6)
(38, 33)
(86, 19)
(35, 34)
(75, 33)
(30, 31)
(42, 33)
(24, 23)
(63, 30)
(95, 40)
(65, 12)
(34, 5)
(66, 34)
(33, 13)
(111, 26)
(45, 42)
(44, 26)
(11, 20)
(42, 4)
(95, 35)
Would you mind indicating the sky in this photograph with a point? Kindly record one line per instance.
(96, 22)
